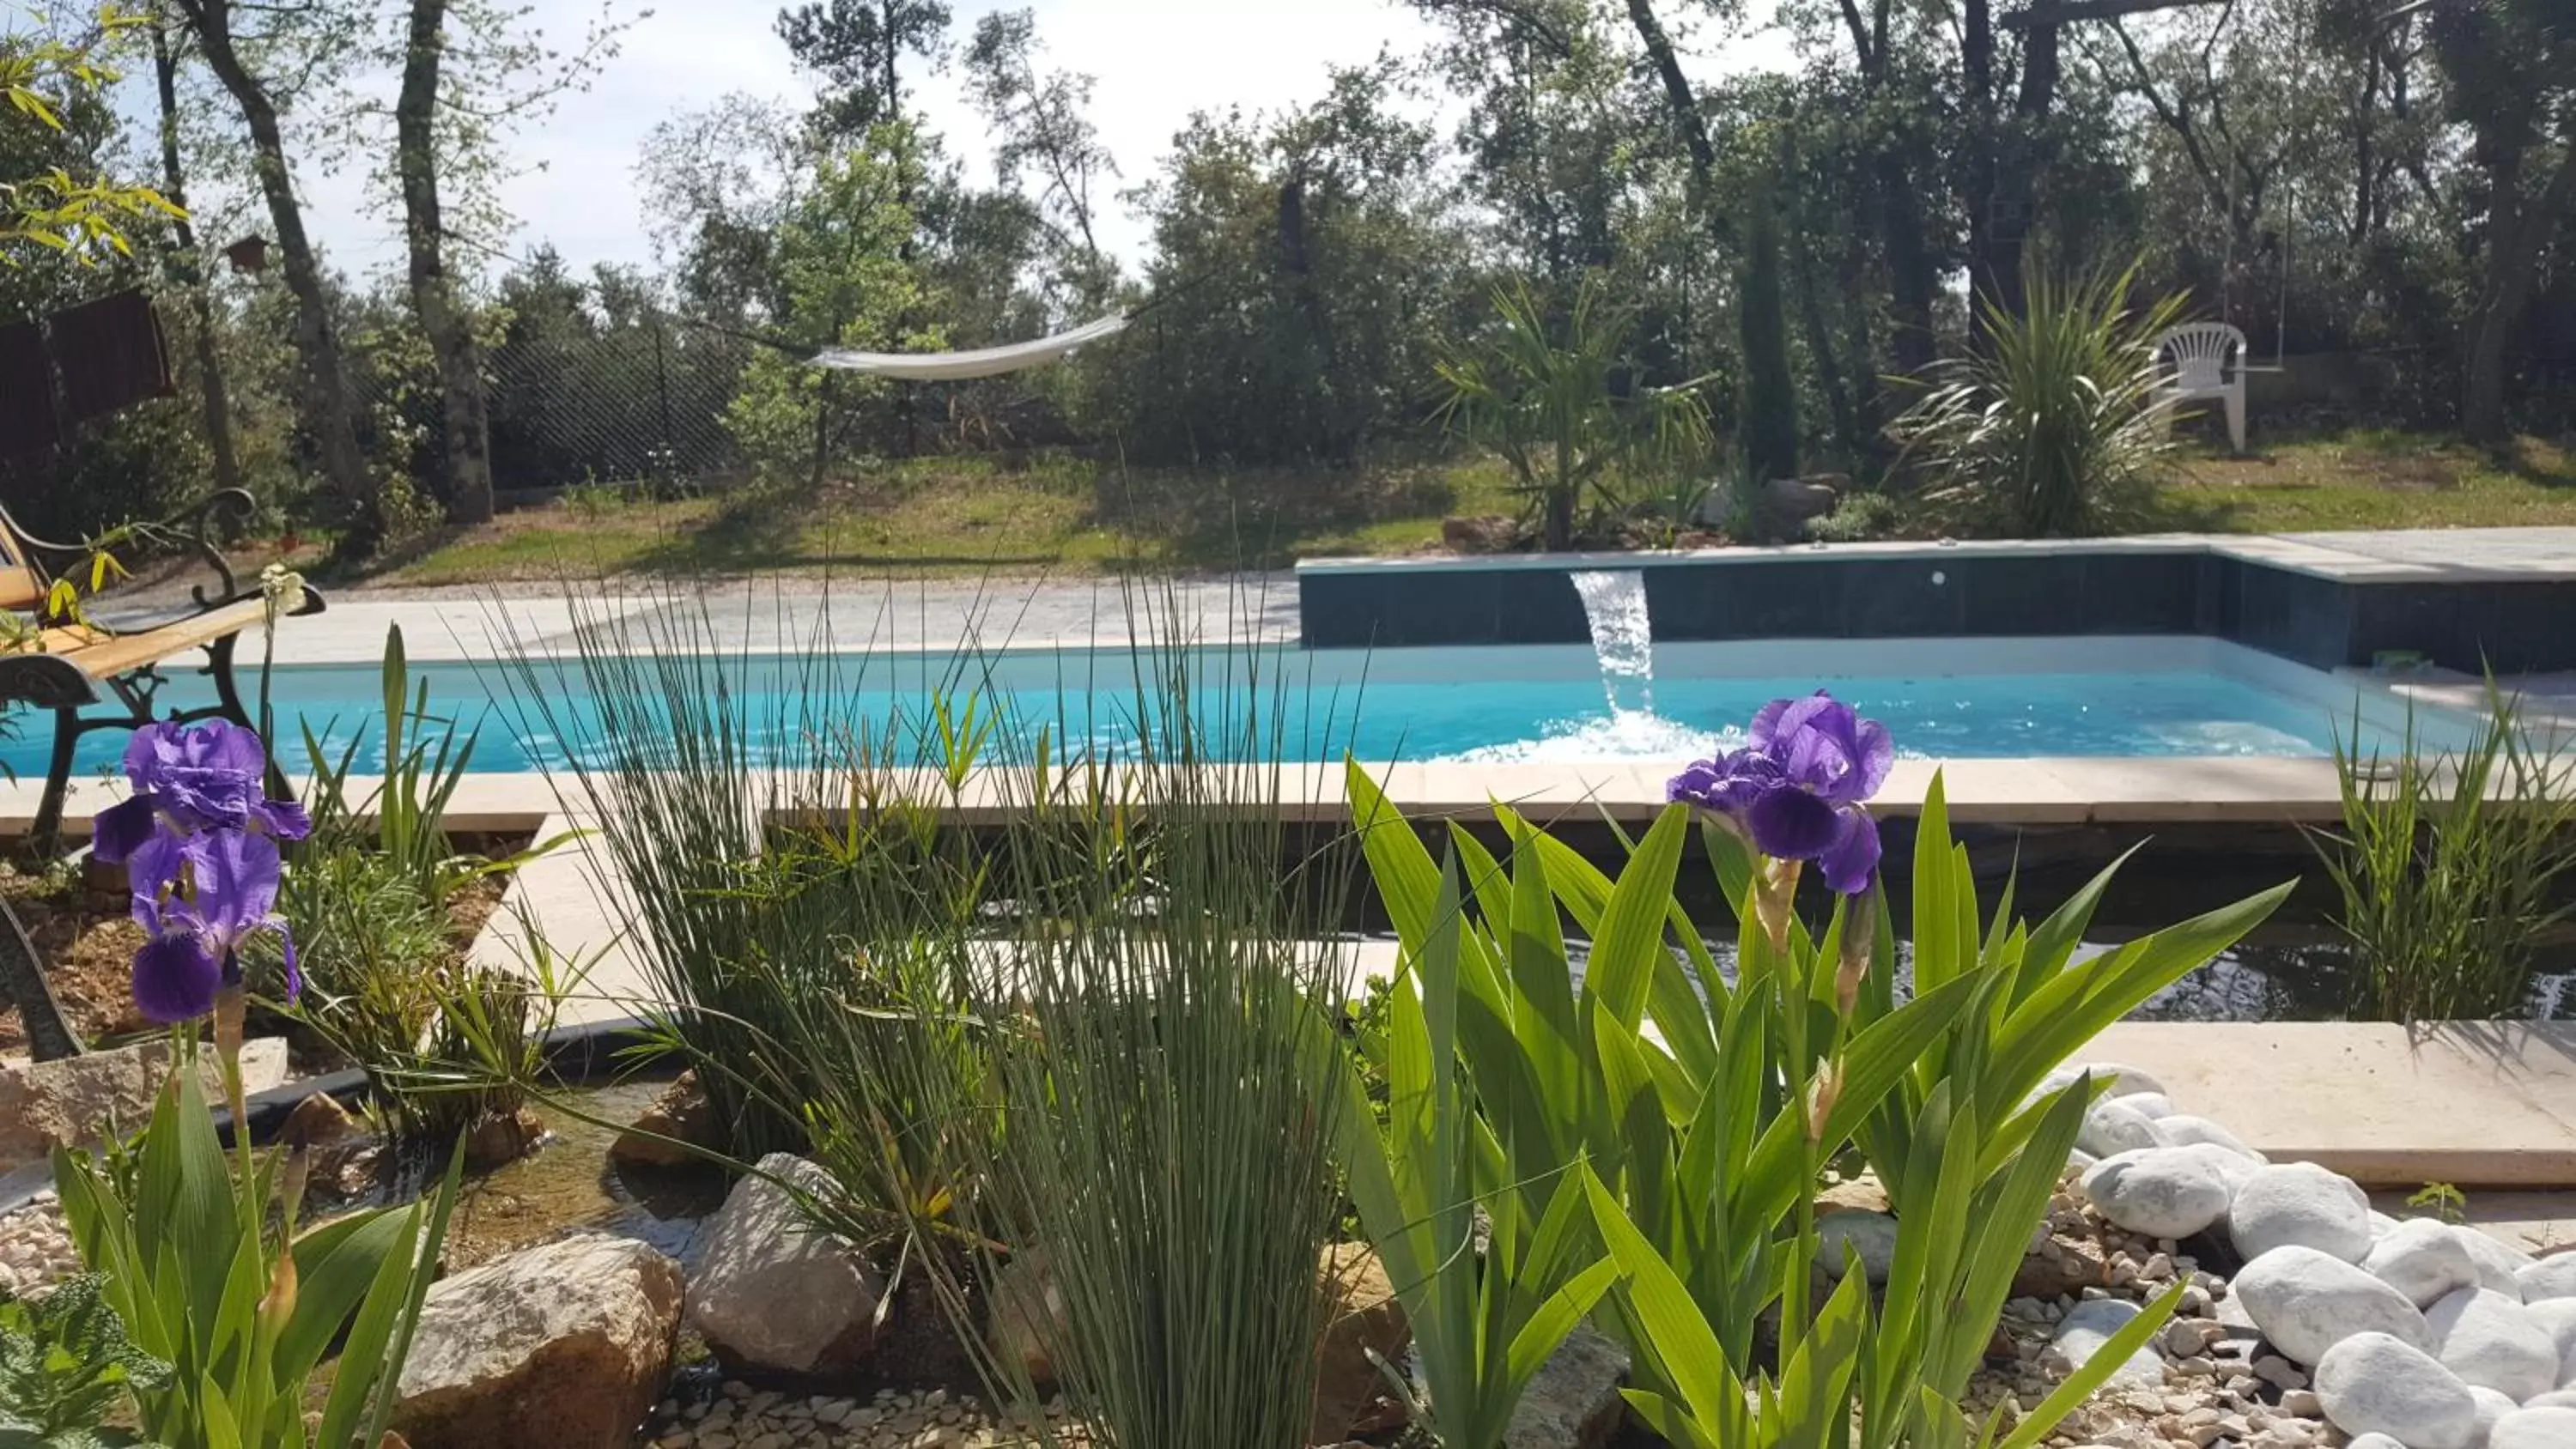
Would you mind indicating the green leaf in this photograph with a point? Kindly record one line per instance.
(2096, 1371)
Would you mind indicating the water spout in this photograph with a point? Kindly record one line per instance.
(1623, 639)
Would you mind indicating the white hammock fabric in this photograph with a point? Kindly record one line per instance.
(959, 366)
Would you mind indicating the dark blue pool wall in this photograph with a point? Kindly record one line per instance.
(2317, 621)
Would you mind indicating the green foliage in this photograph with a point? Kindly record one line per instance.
(2054, 427)
(203, 1262)
(1859, 518)
(53, 210)
(2448, 867)
(1703, 1138)
(2442, 1200)
(1556, 399)
(65, 1365)
(1768, 429)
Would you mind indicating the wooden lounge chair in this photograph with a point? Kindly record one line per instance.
(115, 657)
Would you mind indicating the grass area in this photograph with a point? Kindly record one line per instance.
(2376, 478)
(968, 516)
(971, 516)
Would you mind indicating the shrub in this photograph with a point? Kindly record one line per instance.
(2449, 868)
(1859, 518)
(2055, 426)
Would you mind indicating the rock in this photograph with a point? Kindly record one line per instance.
(2422, 1259)
(2557, 1318)
(1028, 1312)
(2155, 1105)
(2543, 1428)
(318, 1121)
(2162, 1192)
(2551, 1277)
(501, 1138)
(2554, 1399)
(1366, 1319)
(2373, 1383)
(2373, 1441)
(2486, 1338)
(561, 1346)
(2299, 1204)
(1787, 503)
(2089, 1325)
(1480, 533)
(2124, 1080)
(2306, 1301)
(2500, 1264)
(2111, 1128)
(1872, 1235)
(73, 1101)
(770, 1292)
(2491, 1407)
(683, 1114)
(1574, 1401)
(2185, 1130)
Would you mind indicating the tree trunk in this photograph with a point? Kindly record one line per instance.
(1684, 105)
(191, 268)
(2514, 243)
(330, 403)
(450, 332)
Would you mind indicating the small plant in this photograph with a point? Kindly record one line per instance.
(65, 1366)
(2442, 1200)
(2056, 426)
(1859, 518)
(1555, 401)
(2449, 868)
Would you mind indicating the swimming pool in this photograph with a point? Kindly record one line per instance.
(1941, 698)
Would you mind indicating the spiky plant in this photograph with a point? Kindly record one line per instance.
(2057, 425)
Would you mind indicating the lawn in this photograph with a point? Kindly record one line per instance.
(970, 516)
(1073, 516)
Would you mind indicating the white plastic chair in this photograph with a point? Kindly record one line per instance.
(2201, 353)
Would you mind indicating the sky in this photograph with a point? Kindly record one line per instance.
(1154, 62)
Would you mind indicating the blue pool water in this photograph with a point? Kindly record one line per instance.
(1471, 705)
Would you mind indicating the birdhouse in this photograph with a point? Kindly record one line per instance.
(249, 256)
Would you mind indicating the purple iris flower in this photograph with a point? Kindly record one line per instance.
(227, 895)
(1799, 788)
(210, 775)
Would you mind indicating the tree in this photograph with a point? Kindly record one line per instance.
(48, 208)
(188, 265)
(463, 417)
(1042, 130)
(1770, 421)
(2512, 71)
(330, 405)
(857, 47)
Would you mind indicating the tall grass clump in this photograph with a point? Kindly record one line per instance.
(2449, 867)
(2056, 425)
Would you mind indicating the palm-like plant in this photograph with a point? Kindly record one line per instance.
(1552, 400)
(2058, 424)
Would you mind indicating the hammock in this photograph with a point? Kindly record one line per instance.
(959, 366)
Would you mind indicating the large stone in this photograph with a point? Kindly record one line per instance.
(2232, 1167)
(772, 1292)
(2371, 1383)
(2087, 1328)
(2557, 1318)
(74, 1101)
(2551, 1277)
(2184, 1130)
(2544, 1428)
(2422, 1259)
(1027, 1316)
(2152, 1104)
(562, 1346)
(2500, 1264)
(2306, 1302)
(2491, 1407)
(2299, 1204)
(2114, 1127)
(2486, 1338)
(1574, 1401)
(1871, 1234)
(2124, 1080)
(1366, 1325)
(662, 1134)
(2163, 1192)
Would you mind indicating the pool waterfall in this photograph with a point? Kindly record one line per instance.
(1623, 636)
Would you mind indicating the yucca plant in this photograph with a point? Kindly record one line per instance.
(2057, 425)
(1554, 400)
(2450, 867)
